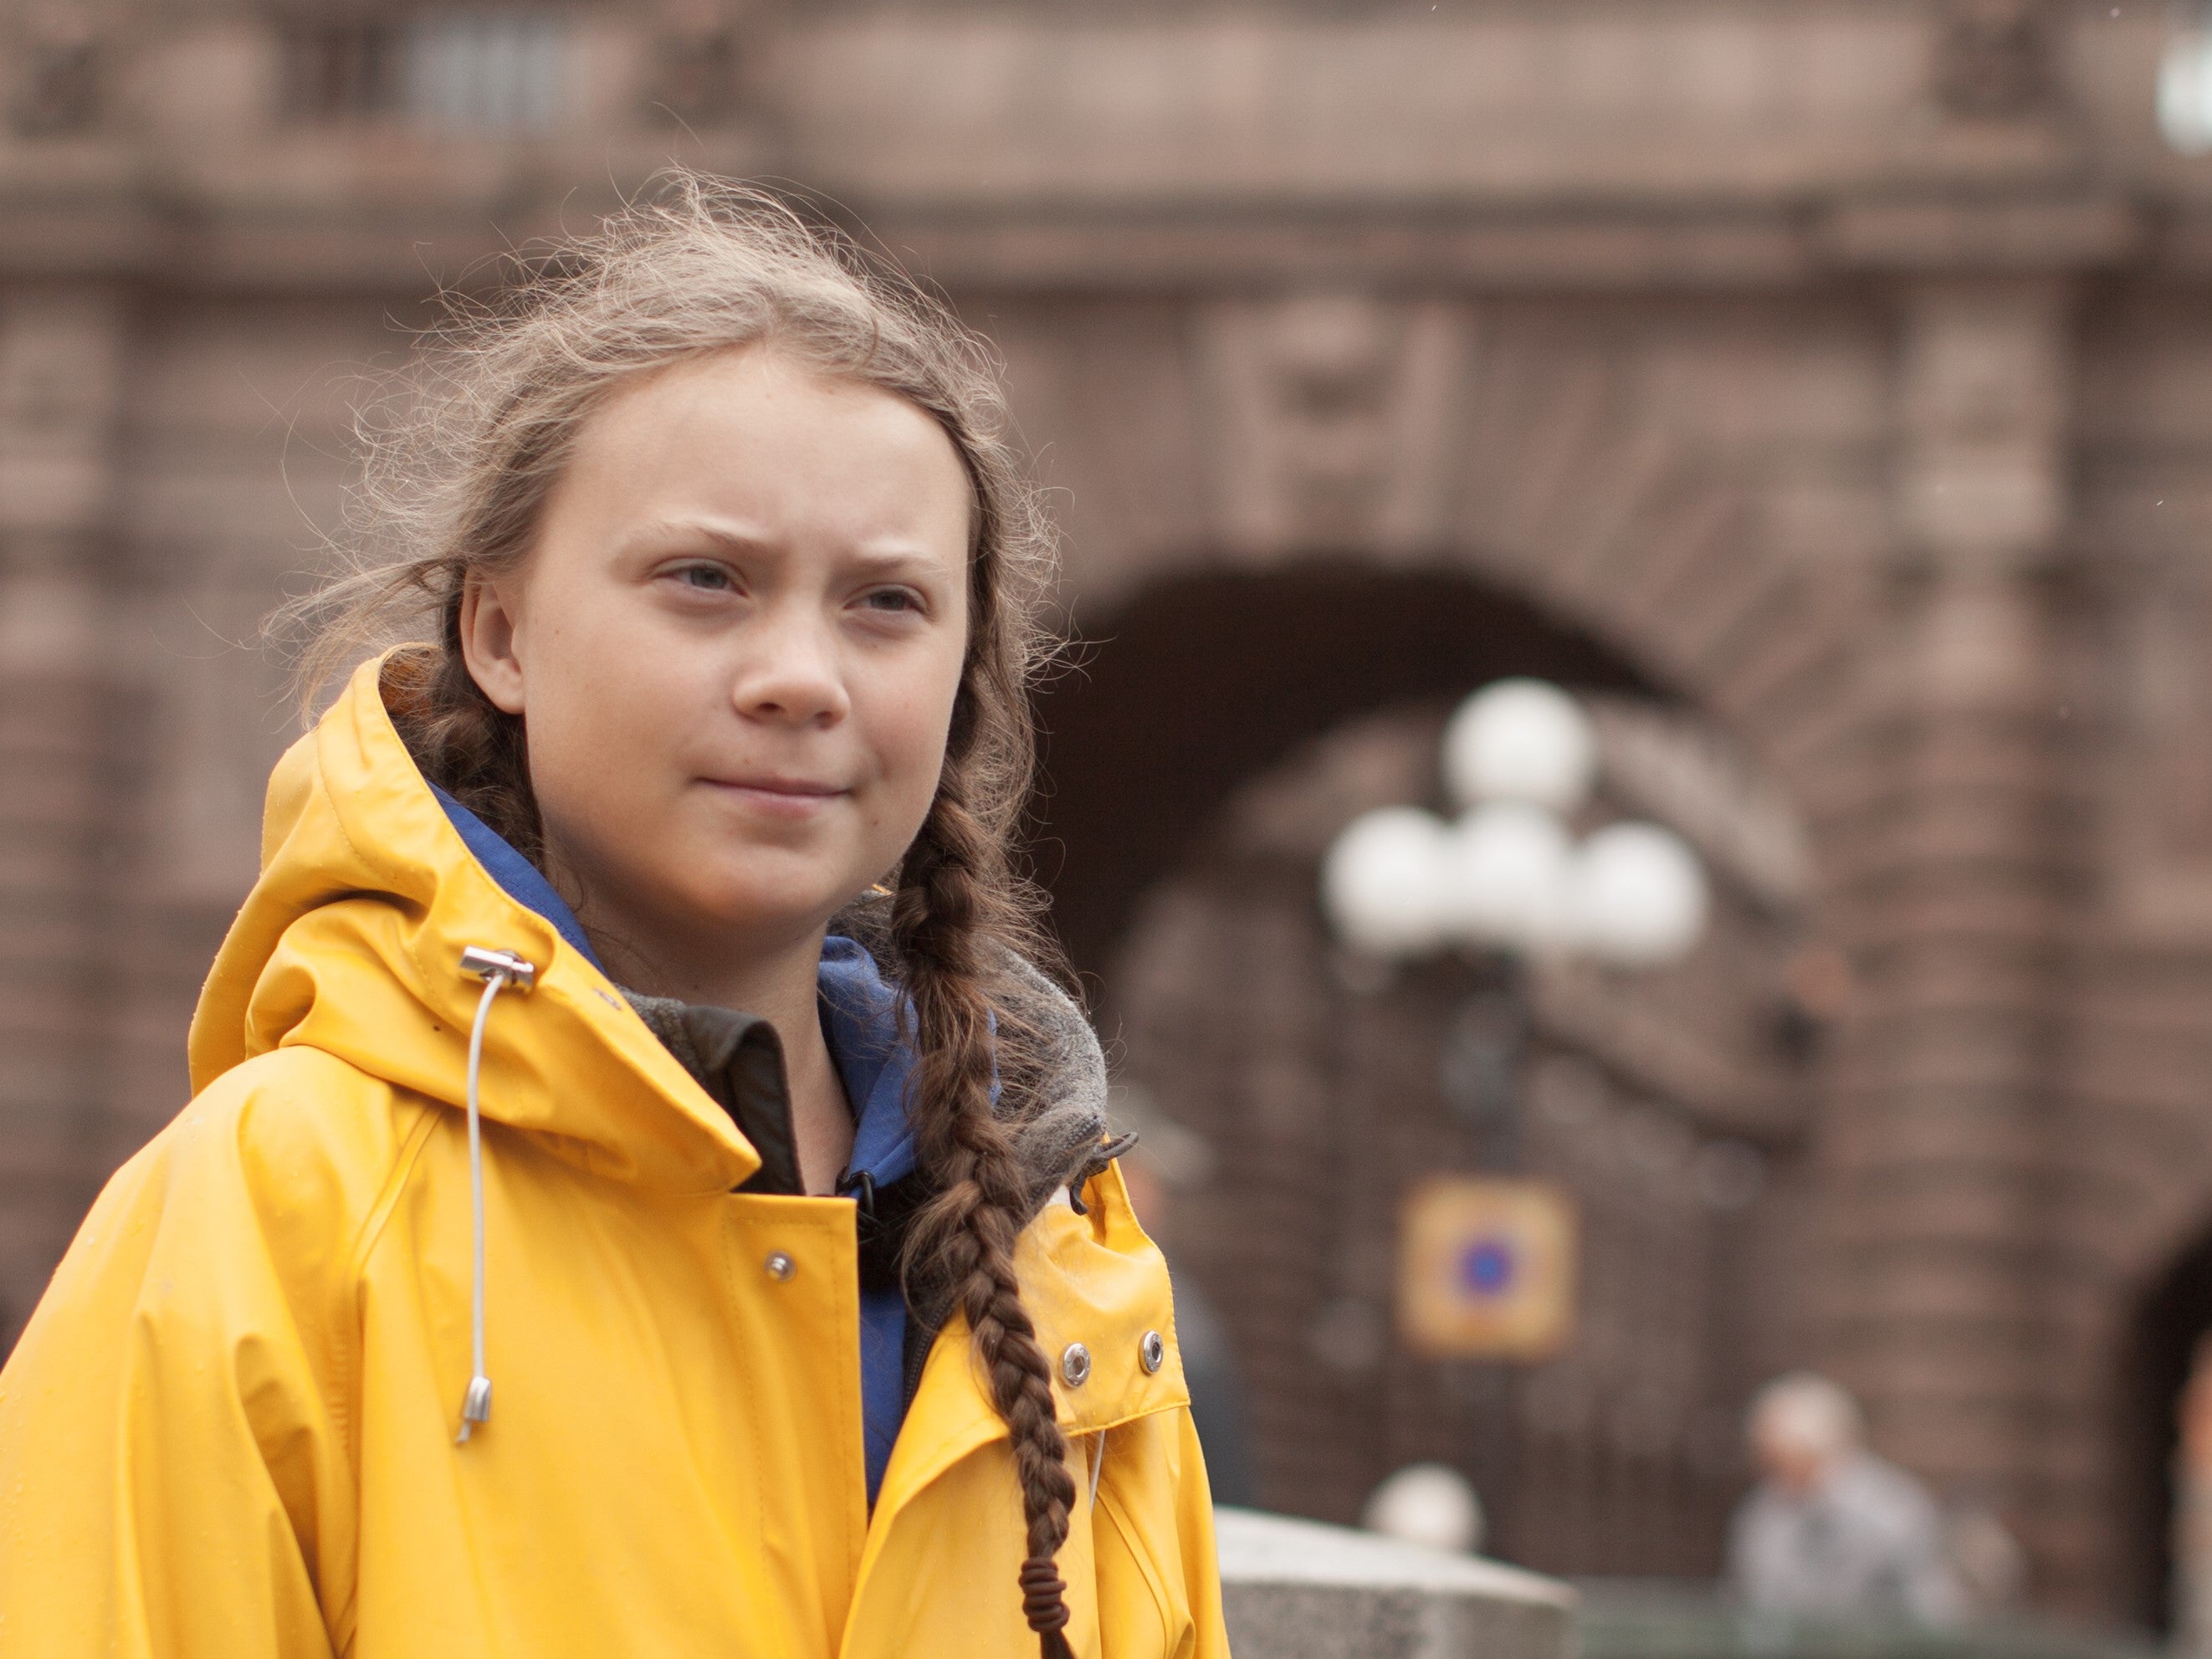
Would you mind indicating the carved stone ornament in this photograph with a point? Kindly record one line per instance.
(1334, 415)
(57, 90)
(699, 59)
(1993, 59)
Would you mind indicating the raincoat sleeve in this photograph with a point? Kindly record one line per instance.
(174, 1479)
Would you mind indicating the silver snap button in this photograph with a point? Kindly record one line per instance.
(1075, 1364)
(780, 1266)
(1153, 1350)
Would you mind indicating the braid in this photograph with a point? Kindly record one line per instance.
(946, 893)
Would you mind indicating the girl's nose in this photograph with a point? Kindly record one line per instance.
(789, 673)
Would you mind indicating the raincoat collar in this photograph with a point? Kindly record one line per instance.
(1093, 1278)
(524, 883)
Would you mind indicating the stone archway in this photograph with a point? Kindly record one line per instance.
(1574, 542)
(1342, 447)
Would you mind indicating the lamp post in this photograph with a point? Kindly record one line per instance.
(1487, 1264)
(1506, 883)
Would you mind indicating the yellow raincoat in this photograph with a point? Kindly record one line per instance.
(229, 1430)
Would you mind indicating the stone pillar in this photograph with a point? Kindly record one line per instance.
(1960, 874)
(61, 351)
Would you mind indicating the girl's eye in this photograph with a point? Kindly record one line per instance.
(892, 599)
(707, 578)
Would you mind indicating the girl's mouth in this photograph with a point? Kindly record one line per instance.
(777, 795)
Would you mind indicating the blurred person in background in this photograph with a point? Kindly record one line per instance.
(1431, 1504)
(1831, 1529)
(636, 1004)
(1165, 1172)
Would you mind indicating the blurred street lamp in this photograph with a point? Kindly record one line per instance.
(1504, 883)
(1524, 740)
(2184, 83)
(1639, 897)
(1508, 876)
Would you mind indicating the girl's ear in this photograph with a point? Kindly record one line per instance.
(487, 631)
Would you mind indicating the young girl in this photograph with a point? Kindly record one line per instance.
(640, 1197)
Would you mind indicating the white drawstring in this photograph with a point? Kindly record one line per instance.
(498, 969)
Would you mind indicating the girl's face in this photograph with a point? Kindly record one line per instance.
(735, 649)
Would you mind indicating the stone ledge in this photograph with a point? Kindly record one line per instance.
(1297, 1589)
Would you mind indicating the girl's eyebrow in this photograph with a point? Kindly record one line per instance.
(682, 530)
(892, 559)
(896, 561)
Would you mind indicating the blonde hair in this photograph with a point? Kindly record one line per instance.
(459, 470)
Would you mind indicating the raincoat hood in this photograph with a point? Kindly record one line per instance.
(350, 943)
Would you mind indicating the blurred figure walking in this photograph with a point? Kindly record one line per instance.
(1830, 1529)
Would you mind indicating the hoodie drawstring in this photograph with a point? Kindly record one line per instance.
(498, 969)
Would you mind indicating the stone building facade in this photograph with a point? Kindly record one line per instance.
(1827, 382)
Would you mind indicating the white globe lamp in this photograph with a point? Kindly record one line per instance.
(1507, 873)
(1520, 740)
(1380, 881)
(1639, 897)
(2184, 87)
(1427, 1503)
